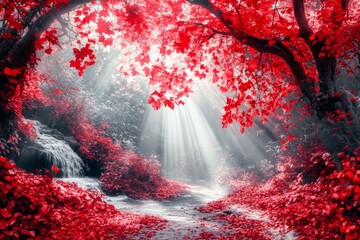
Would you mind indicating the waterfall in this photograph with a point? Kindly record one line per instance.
(58, 152)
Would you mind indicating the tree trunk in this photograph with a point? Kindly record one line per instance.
(337, 113)
(8, 118)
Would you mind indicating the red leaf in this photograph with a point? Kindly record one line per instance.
(349, 174)
(5, 213)
(12, 72)
(57, 91)
(5, 163)
(170, 104)
(291, 137)
(45, 208)
(55, 169)
(48, 50)
(104, 27)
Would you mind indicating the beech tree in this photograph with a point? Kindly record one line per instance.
(263, 55)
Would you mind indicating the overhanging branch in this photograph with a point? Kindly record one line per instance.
(263, 46)
(25, 47)
(214, 30)
(299, 11)
(345, 4)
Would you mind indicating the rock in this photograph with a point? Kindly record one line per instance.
(45, 114)
(227, 212)
(73, 143)
(31, 157)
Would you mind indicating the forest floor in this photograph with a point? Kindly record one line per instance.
(184, 220)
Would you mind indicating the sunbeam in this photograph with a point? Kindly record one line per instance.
(190, 140)
(189, 148)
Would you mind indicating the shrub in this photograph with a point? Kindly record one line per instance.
(138, 177)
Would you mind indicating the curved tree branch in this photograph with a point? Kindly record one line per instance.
(16, 52)
(29, 17)
(25, 47)
(305, 85)
(299, 11)
(214, 30)
(345, 4)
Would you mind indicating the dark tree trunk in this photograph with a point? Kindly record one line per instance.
(8, 120)
(8, 115)
(337, 113)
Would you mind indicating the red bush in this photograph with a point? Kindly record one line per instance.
(94, 145)
(138, 177)
(124, 171)
(37, 206)
(27, 128)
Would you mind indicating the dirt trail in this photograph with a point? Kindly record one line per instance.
(184, 221)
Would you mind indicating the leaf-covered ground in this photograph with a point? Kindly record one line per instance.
(307, 198)
(286, 206)
(38, 207)
(185, 221)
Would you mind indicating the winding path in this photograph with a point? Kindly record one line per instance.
(184, 221)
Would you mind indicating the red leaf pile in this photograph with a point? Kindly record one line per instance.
(36, 206)
(326, 208)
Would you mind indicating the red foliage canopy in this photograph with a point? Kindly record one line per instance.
(249, 50)
(259, 53)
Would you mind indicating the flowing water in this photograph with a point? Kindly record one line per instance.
(58, 152)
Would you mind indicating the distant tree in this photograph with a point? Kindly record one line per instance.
(258, 53)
